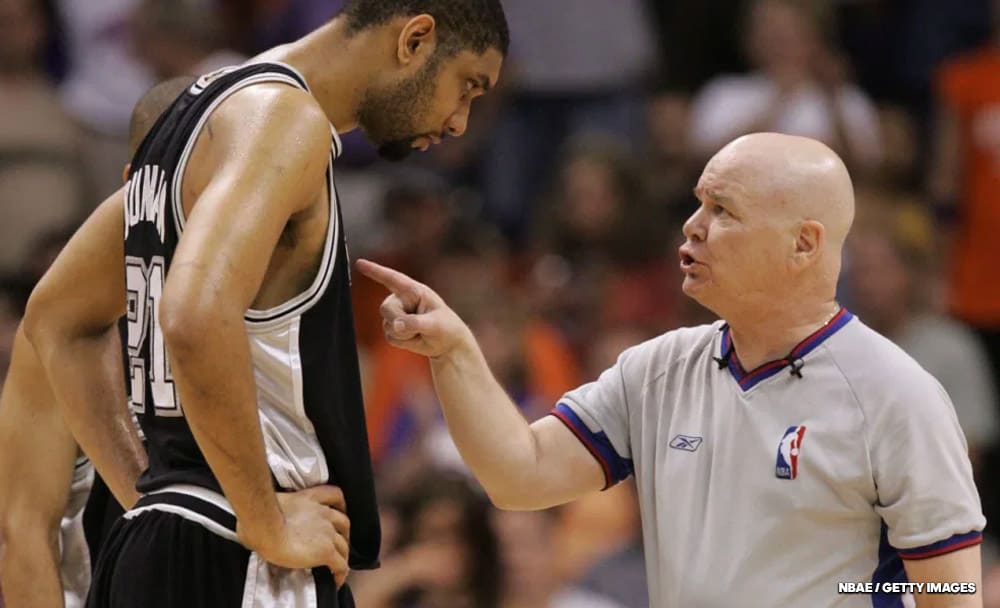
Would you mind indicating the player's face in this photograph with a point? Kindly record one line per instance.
(423, 109)
(733, 251)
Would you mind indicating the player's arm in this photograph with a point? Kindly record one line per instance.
(962, 566)
(71, 321)
(273, 146)
(520, 466)
(37, 454)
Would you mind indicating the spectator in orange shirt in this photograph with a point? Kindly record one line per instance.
(966, 186)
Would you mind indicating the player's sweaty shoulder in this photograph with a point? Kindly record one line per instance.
(263, 128)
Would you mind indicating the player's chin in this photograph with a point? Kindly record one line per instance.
(396, 150)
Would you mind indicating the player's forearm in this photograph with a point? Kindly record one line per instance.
(87, 378)
(29, 568)
(214, 378)
(489, 431)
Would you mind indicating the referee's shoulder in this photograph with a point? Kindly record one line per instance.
(880, 373)
(674, 346)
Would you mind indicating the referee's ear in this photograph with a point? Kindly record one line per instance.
(809, 241)
(128, 167)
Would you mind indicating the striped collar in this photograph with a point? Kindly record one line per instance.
(750, 379)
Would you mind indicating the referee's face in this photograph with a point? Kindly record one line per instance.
(735, 251)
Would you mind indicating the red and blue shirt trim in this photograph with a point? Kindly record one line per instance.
(750, 379)
(956, 542)
(616, 468)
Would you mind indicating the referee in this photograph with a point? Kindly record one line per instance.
(780, 452)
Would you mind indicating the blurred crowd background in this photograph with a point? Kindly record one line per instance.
(552, 226)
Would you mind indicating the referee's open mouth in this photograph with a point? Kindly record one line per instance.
(687, 260)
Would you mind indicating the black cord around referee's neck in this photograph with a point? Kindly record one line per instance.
(723, 361)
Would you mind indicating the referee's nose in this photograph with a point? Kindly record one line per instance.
(694, 228)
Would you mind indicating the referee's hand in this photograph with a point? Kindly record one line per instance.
(413, 316)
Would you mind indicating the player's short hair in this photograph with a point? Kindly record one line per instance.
(151, 105)
(462, 25)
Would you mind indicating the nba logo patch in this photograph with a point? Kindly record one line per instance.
(787, 466)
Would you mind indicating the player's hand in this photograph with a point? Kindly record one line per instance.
(413, 316)
(316, 532)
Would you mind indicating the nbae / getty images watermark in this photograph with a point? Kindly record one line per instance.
(871, 587)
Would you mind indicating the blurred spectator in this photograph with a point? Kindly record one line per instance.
(667, 168)
(896, 45)
(577, 550)
(416, 216)
(181, 38)
(282, 21)
(697, 40)
(446, 551)
(902, 157)
(620, 574)
(41, 185)
(104, 82)
(602, 253)
(610, 563)
(799, 86)
(529, 555)
(574, 66)
(966, 187)
(891, 283)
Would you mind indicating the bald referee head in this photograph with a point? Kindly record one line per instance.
(765, 243)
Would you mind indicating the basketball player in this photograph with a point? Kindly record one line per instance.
(243, 366)
(778, 452)
(44, 481)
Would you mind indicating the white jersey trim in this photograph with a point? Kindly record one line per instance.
(198, 492)
(271, 317)
(178, 178)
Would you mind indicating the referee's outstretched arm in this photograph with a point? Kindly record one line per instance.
(521, 466)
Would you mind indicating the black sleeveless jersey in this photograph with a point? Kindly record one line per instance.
(304, 351)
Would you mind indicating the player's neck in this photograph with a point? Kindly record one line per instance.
(762, 337)
(335, 67)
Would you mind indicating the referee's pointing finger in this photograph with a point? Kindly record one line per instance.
(398, 283)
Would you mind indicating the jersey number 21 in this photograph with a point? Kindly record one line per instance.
(147, 351)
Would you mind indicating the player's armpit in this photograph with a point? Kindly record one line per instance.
(961, 566)
(37, 454)
(564, 469)
(265, 161)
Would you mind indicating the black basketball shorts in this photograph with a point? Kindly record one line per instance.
(177, 548)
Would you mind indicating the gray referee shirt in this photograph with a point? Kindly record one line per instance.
(771, 486)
